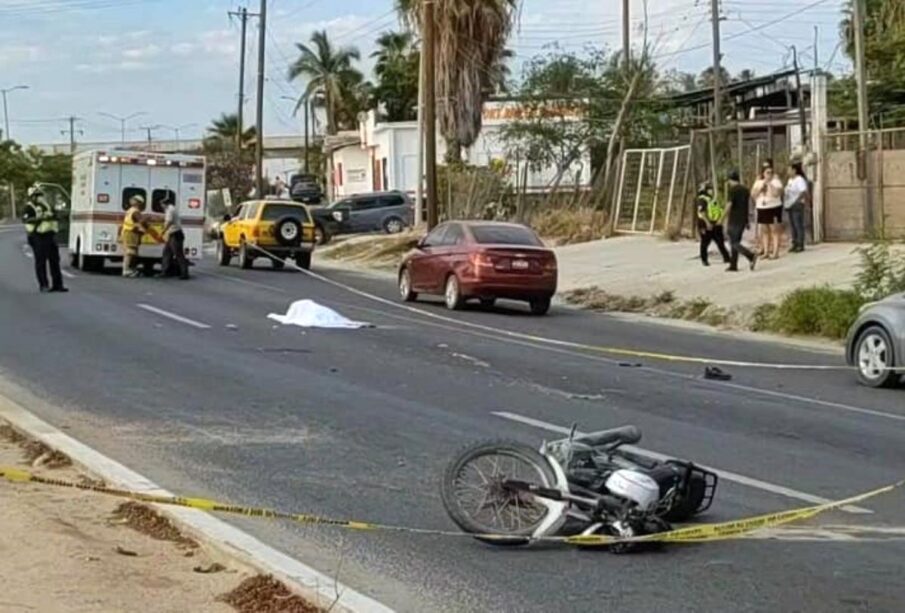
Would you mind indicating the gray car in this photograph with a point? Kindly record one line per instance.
(391, 212)
(876, 342)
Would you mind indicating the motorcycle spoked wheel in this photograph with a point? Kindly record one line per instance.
(474, 495)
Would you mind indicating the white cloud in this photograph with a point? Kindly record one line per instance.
(140, 53)
(17, 54)
(108, 67)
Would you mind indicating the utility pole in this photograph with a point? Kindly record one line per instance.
(243, 16)
(259, 145)
(149, 129)
(802, 121)
(71, 132)
(122, 122)
(626, 32)
(419, 189)
(861, 79)
(307, 141)
(717, 69)
(430, 111)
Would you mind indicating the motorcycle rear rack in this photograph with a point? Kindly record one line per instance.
(710, 481)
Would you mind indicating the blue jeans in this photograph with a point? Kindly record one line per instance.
(796, 223)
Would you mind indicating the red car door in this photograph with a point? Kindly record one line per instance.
(423, 264)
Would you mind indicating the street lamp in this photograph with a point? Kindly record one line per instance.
(156, 126)
(302, 101)
(122, 121)
(12, 189)
(6, 110)
(177, 129)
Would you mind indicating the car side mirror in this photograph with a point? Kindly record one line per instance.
(422, 243)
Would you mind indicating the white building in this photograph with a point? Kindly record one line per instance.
(384, 156)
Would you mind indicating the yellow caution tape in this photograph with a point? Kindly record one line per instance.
(690, 534)
(614, 351)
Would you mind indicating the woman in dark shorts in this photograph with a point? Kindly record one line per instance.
(767, 193)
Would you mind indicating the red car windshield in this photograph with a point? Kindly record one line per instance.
(504, 235)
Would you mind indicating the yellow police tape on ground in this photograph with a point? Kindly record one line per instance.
(690, 534)
(614, 351)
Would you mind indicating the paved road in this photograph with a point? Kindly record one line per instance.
(220, 402)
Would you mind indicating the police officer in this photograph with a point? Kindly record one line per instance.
(710, 223)
(41, 226)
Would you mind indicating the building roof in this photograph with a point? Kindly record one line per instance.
(340, 140)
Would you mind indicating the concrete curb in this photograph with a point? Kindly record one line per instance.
(316, 587)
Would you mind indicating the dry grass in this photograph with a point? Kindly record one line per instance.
(569, 226)
(664, 304)
(146, 520)
(379, 251)
(264, 594)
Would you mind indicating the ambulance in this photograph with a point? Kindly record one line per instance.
(102, 184)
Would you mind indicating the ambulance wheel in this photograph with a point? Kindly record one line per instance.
(90, 263)
(74, 257)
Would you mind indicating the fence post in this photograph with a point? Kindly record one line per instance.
(818, 146)
(653, 211)
(638, 190)
(618, 208)
(672, 186)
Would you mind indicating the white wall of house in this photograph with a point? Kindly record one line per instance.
(352, 166)
(390, 151)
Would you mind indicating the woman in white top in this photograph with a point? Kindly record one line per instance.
(767, 193)
(796, 200)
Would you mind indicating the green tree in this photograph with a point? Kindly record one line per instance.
(471, 40)
(396, 69)
(226, 127)
(884, 58)
(330, 73)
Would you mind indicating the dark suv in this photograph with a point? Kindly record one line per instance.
(305, 188)
(390, 212)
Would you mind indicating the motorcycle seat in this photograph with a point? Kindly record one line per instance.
(626, 435)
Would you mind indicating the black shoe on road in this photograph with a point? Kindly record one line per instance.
(753, 261)
(43, 289)
(61, 290)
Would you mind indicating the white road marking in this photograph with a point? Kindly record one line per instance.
(723, 474)
(67, 274)
(27, 253)
(173, 316)
(244, 282)
(471, 359)
(661, 371)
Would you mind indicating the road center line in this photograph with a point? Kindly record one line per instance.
(723, 474)
(173, 316)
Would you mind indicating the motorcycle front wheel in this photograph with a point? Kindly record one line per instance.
(476, 498)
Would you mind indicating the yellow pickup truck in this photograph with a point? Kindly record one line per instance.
(271, 229)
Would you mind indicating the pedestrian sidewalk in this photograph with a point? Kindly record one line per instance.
(67, 550)
(645, 265)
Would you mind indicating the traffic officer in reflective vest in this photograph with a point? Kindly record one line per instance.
(133, 230)
(42, 227)
(710, 223)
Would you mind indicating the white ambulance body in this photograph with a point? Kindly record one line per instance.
(102, 184)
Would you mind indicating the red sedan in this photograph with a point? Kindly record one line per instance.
(463, 260)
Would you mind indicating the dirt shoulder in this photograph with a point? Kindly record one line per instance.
(67, 550)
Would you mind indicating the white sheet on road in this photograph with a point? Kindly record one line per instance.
(309, 314)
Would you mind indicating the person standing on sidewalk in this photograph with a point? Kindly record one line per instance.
(738, 217)
(174, 248)
(133, 230)
(796, 200)
(41, 226)
(710, 223)
(767, 193)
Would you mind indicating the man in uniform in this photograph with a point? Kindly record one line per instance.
(134, 229)
(710, 223)
(42, 227)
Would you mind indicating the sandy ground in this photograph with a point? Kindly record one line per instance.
(62, 551)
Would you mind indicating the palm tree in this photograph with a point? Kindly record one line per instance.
(329, 72)
(396, 69)
(471, 40)
(226, 127)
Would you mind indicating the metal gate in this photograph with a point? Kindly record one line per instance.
(651, 183)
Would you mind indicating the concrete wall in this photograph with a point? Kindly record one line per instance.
(846, 196)
(354, 165)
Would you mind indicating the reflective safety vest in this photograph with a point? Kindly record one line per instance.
(44, 220)
(715, 208)
(31, 218)
(129, 224)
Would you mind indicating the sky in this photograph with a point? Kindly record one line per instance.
(177, 61)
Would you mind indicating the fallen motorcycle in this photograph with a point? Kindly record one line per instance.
(586, 484)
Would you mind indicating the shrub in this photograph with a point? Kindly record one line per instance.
(822, 311)
(882, 272)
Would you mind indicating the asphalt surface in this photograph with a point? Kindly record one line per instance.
(360, 423)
